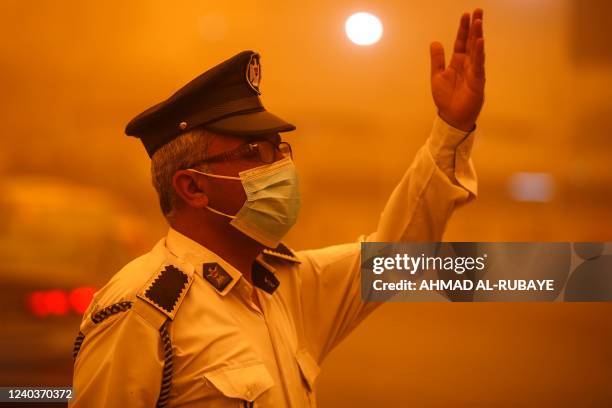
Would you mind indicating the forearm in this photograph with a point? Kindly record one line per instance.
(440, 178)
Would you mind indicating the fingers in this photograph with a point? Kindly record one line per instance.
(475, 30)
(469, 46)
(479, 59)
(477, 35)
(462, 33)
(436, 51)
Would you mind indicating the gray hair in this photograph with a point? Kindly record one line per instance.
(178, 154)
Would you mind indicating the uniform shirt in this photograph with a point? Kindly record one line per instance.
(226, 351)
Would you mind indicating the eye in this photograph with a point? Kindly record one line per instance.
(250, 152)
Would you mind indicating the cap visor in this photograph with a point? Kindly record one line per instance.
(253, 123)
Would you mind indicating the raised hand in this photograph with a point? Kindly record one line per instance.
(458, 89)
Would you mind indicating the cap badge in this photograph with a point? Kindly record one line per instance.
(253, 72)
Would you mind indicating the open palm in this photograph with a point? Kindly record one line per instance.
(458, 89)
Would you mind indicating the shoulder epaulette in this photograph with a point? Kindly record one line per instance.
(281, 252)
(163, 293)
(166, 289)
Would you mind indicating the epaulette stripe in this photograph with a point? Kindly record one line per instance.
(166, 382)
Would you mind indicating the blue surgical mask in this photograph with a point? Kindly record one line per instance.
(272, 204)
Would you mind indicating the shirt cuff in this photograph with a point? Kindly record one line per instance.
(451, 149)
(445, 138)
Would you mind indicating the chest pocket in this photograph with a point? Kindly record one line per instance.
(239, 386)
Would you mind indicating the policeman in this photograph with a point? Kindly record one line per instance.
(220, 313)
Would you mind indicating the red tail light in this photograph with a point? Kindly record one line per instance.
(58, 302)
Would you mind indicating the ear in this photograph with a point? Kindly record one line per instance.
(190, 186)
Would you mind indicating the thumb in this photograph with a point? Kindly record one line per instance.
(437, 58)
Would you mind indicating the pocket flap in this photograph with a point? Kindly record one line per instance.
(308, 366)
(245, 382)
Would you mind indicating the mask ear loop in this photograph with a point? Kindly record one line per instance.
(231, 217)
(219, 176)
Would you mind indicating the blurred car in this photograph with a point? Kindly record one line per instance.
(58, 242)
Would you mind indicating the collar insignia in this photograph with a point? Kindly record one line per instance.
(263, 278)
(216, 275)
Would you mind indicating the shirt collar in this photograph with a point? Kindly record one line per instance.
(195, 254)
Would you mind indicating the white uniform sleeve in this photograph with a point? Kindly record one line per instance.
(440, 179)
(119, 364)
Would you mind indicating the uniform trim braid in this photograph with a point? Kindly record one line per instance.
(168, 371)
(77, 345)
(97, 318)
(110, 310)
